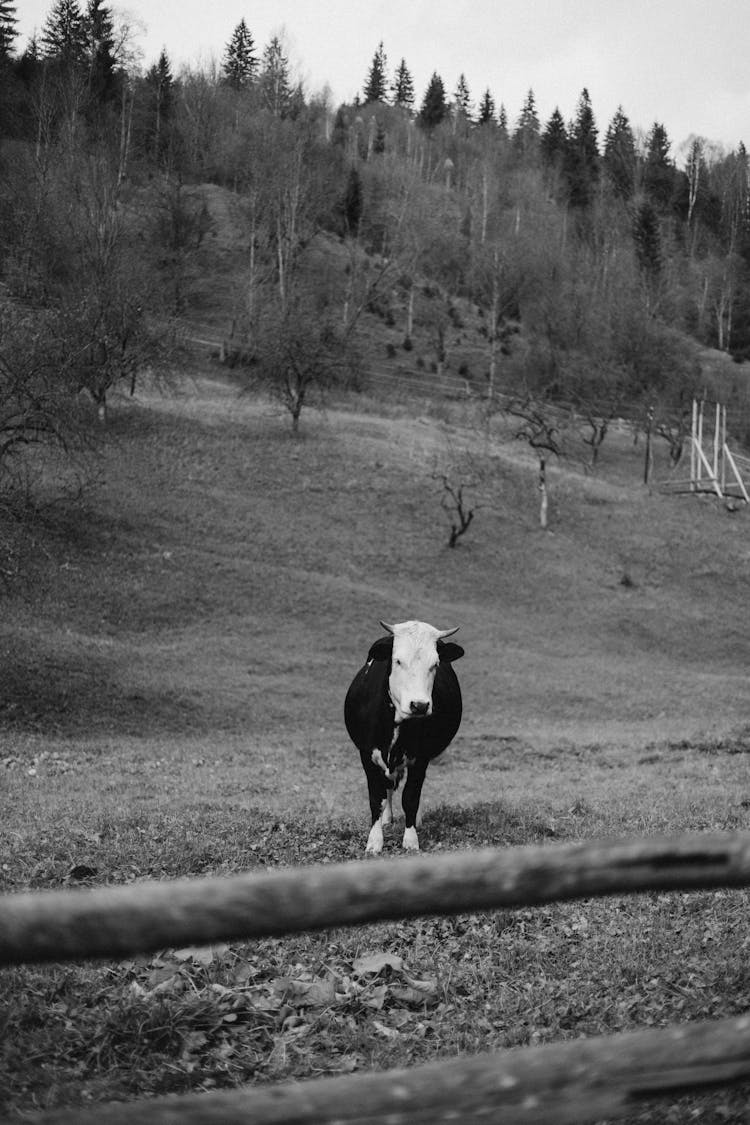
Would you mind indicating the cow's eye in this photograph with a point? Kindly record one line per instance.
(397, 662)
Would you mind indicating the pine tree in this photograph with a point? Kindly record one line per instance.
(340, 130)
(462, 99)
(160, 84)
(402, 89)
(647, 238)
(434, 107)
(13, 102)
(8, 31)
(240, 64)
(274, 84)
(582, 156)
(101, 52)
(553, 142)
(486, 109)
(659, 173)
(502, 120)
(375, 86)
(352, 203)
(64, 33)
(526, 136)
(619, 159)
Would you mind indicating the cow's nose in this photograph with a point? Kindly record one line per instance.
(418, 707)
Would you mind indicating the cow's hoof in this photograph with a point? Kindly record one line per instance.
(375, 840)
(410, 842)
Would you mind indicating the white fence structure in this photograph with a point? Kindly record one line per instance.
(713, 466)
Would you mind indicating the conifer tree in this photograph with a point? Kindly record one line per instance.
(12, 101)
(375, 86)
(502, 120)
(486, 113)
(462, 99)
(240, 64)
(63, 36)
(8, 31)
(526, 136)
(402, 88)
(434, 107)
(340, 130)
(352, 202)
(275, 87)
(554, 140)
(619, 159)
(659, 172)
(101, 52)
(160, 84)
(648, 247)
(582, 157)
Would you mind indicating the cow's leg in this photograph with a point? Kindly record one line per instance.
(378, 793)
(386, 817)
(410, 801)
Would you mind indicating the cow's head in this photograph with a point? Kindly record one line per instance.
(415, 649)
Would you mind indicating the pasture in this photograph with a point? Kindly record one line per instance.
(174, 662)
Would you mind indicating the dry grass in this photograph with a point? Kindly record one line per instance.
(173, 671)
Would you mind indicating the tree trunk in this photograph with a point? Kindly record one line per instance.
(649, 458)
(485, 207)
(280, 255)
(542, 493)
(494, 317)
(126, 126)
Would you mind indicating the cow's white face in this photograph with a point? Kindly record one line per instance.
(413, 666)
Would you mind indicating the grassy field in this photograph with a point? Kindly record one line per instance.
(174, 656)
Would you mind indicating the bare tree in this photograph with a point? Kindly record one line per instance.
(301, 350)
(456, 506)
(38, 407)
(540, 428)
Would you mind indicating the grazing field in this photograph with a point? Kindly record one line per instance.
(174, 654)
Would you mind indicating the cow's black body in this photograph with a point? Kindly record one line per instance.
(370, 721)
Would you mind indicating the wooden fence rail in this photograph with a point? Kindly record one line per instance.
(559, 1084)
(573, 1081)
(117, 921)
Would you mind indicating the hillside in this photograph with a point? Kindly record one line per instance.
(225, 581)
(173, 675)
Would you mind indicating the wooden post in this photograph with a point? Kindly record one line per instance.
(542, 492)
(723, 439)
(700, 444)
(733, 466)
(648, 465)
(693, 439)
(717, 440)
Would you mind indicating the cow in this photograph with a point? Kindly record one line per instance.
(402, 709)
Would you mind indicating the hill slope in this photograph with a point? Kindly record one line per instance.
(225, 582)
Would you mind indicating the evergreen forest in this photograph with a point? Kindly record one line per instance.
(600, 260)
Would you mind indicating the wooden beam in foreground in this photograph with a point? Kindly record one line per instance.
(580, 1080)
(118, 921)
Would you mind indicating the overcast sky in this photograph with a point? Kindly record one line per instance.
(683, 63)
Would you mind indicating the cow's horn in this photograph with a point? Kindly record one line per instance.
(387, 626)
(446, 632)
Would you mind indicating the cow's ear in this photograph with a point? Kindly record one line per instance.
(449, 651)
(382, 649)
